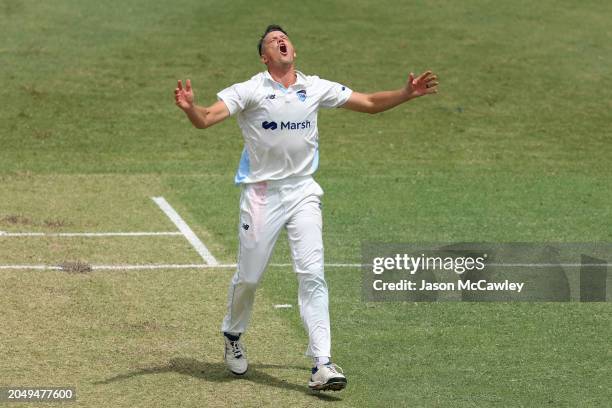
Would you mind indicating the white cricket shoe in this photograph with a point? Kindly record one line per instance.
(327, 377)
(235, 356)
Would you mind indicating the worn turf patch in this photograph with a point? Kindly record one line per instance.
(75, 267)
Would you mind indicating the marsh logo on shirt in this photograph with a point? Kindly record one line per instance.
(286, 125)
(269, 125)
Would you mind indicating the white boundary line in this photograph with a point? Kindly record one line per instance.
(186, 231)
(87, 234)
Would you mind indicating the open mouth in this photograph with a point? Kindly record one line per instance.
(283, 49)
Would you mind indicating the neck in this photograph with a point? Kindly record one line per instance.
(285, 75)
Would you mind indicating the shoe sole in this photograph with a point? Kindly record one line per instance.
(334, 384)
(242, 373)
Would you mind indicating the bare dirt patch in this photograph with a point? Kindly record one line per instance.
(75, 267)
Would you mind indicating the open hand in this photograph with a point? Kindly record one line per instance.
(424, 84)
(184, 97)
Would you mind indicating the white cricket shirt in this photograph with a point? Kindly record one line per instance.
(279, 124)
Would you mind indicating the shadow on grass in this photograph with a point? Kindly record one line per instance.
(217, 372)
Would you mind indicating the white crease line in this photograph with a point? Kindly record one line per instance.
(228, 266)
(117, 267)
(542, 265)
(88, 234)
(31, 267)
(151, 267)
(186, 231)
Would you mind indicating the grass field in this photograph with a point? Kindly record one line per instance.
(515, 147)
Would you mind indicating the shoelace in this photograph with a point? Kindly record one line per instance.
(236, 348)
(334, 368)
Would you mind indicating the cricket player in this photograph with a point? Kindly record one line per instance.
(277, 114)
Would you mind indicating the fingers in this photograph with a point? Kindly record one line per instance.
(178, 93)
(424, 84)
(427, 83)
(426, 79)
(431, 87)
(180, 86)
(423, 76)
(183, 97)
(431, 83)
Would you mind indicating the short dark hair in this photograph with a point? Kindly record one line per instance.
(269, 29)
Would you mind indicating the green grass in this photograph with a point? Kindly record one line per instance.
(515, 147)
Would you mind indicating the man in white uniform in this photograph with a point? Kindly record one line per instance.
(277, 113)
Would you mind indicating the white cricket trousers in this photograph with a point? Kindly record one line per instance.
(265, 208)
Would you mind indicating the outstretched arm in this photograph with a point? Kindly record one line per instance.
(201, 117)
(424, 84)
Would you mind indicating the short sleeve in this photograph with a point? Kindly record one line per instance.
(236, 97)
(333, 94)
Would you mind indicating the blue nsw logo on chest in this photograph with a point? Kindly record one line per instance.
(301, 94)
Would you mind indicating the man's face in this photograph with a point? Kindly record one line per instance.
(277, 49)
